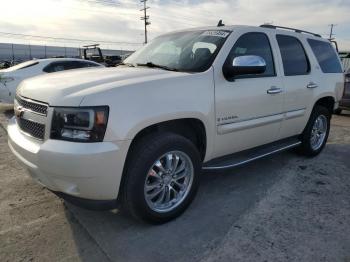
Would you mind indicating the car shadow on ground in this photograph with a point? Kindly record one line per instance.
(222, 198)
(9, 113)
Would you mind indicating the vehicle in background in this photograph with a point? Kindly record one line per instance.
(345, 59)
(94, 53)
(125, 56)
(5, 64)
(11, 77)
(344, 103)
(113, 60)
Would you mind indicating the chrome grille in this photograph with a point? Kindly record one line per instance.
(32, 105)
(34, 129)
(31, 117)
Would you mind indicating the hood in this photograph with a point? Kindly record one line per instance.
(68, 88)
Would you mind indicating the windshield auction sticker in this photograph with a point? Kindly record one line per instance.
(217, 33)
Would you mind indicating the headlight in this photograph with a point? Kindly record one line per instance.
(347, 79)
(80, 124)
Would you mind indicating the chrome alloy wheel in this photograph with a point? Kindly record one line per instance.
(319, 132)
(168, 181)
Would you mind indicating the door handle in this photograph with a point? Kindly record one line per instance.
(274, 90)
(312, 85)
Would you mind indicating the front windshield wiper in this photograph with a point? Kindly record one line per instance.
(127, 64)
(152, 65)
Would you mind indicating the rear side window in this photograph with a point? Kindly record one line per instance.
(67, 65)
(82, 64)
(326, 56)
(295, 61)
(254, 44)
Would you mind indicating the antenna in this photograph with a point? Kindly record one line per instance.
(220, 23)
(331, 34)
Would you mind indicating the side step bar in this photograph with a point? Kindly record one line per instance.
(247, 156)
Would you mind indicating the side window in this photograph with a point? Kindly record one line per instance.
(66, 65)
(254, 44)
(295, 61)
(71, 65)
(86, 64)
(326, 56)
(54, 67)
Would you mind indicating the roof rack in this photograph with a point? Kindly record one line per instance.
(289, 28)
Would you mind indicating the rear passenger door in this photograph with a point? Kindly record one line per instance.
(298, 82)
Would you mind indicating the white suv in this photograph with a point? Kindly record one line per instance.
(202, 99)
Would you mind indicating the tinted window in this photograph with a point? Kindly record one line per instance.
(82, 64)
(254, 44)
(295, 61)
(326, 56)
(67, 65)
(54, 67)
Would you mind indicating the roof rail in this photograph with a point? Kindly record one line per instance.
(289, 28)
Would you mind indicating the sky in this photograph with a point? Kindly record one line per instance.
(118, 21)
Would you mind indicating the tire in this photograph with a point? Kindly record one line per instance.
(142, 174)
(310, 145)
(337, 111)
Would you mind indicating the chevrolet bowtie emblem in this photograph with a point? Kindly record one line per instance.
(19, 111)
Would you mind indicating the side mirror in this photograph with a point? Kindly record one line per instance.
(245, 65)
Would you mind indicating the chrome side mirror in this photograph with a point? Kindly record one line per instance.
(245, 65)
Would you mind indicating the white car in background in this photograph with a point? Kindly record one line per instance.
(11, 77)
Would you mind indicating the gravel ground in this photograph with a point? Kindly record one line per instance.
(282, 208)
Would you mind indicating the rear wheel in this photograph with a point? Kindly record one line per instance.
(316, 132)
(161, 177)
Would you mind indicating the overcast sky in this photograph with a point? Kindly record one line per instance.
(119, 20)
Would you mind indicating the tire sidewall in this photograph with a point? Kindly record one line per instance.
(145, 162)
(306, 140)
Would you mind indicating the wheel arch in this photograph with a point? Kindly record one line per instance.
(190, 128)
(327, 102)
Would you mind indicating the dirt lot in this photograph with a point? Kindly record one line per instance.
(282, 208)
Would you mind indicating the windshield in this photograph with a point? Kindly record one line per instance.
(192, 51)
(22, 65)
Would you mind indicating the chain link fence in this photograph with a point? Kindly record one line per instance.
(16, 53)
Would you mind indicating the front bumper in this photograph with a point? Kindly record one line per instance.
(85, 170)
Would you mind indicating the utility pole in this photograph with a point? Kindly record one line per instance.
(331, 32)
(145, 17)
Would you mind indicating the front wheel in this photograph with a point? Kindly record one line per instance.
(316, 133)
(161, 177)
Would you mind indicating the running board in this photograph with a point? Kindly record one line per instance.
(250, 155)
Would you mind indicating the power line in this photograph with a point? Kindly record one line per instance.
(67, 39)
(145, 17)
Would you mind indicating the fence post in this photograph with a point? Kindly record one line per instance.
(13, 54)
(30, 52)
